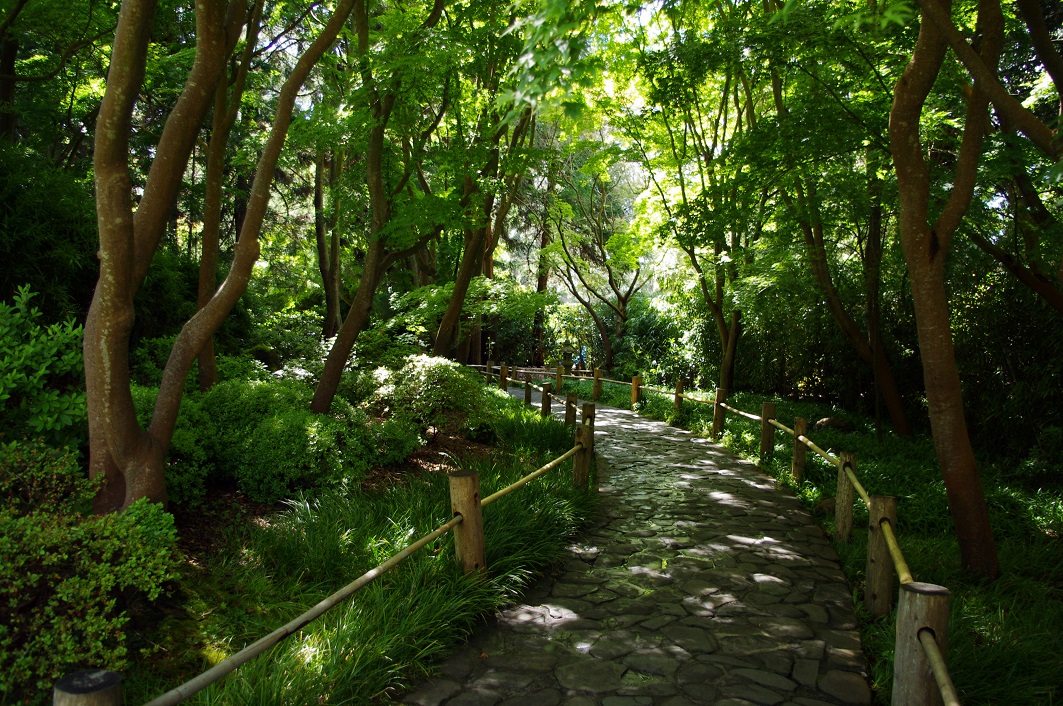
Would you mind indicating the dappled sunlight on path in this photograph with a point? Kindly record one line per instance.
(699, 582)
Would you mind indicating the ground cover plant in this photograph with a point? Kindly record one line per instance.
(270, 570)
(1001, 631)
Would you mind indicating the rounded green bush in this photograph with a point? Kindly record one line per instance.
(295, 449)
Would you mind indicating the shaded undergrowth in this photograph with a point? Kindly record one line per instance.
(1004, 635)
(387, 636)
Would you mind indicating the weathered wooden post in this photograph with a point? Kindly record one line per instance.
(489, 369)
(923, 607)
(880, 574)
(797, 468)
(581, 462)
(843, 500)
(527, 391)
(588, 415)
(718, 412)
(503, 377)
(547, 389)
(570, 409)
(636, 383)
(678, 401)
(88, 687)
(767, 430)
(597, 392)
(469, 535)
(559, 381)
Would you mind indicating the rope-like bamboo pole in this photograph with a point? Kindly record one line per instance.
(825, 454)
(779, 425)
(531, 476)
(904, 574)
(695, 399)
(937, 665)
(215, 673)
(740, 413)
(618, 382)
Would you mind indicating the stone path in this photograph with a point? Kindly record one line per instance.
(699, 582)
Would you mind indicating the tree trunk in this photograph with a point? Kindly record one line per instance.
(925, 250)
(8, 57)
(327, 237)
(471, 265)
(353, 324)
(729, 339)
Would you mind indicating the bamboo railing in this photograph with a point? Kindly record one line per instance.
(103, 688)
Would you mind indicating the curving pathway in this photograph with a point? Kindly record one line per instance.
(699, 582)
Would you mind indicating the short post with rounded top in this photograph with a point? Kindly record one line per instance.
(922, 613)
(881, 577)
(767, 430)
(469, 535)
(88, 687)
(797, 467)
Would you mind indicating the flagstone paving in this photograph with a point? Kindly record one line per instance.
(698, 582)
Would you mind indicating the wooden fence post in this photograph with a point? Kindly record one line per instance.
(797, 468)
(570, 409)
(487, 371)
(581, 462)
(636, 383)
(678, 402)
(527, 391)
(588, 415)
(880, 575)
(469, 535)
(547, 389)
(843, 501)
(503, 377)
(597, 384)
(718, 412)
(923, 606)
(767, 431)
(88, 687)
(559, 383)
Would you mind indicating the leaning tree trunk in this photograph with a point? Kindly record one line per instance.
(925, 250)
(353, 323)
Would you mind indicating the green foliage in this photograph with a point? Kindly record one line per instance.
(41, 387)
(47, 233)
(436, 392)
(294, 449)
(65, 575)
(38, 477)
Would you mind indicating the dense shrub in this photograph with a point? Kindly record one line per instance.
(295, 449)
(233, 408)
(65, 574)
(41, 386)
(436, 392)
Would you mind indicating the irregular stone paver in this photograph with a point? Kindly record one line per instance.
(699, 582)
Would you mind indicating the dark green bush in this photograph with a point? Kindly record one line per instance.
(294, 449)
(233, 408)
(65, 574)
(41, 380)
(37, 477)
